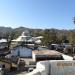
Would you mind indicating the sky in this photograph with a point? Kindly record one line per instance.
(37, 13)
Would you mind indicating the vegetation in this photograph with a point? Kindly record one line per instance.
(9, 37)
(49, 35)
(72, 37)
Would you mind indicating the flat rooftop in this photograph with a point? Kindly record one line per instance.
(46, 52)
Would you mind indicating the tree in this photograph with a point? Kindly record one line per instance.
(49, 37)
(9, 37)
(63, 38)
(72, 37)
(74, 20)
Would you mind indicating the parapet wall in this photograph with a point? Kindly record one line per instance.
(54, 67)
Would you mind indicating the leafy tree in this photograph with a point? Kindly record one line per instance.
(49, 37)
(72, 37)
(9, 37)
(63, 38)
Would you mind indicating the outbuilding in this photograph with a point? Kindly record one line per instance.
(21, 51)
(41, 55)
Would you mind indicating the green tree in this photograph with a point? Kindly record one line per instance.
(49, 37)
(9, 37)
(63, 38)
(72, 37)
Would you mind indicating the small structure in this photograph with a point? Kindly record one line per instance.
(4, 52)
(3, 47)
(40, 55)
(21, 51)
(3, 43)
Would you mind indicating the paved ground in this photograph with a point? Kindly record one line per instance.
(27, 60)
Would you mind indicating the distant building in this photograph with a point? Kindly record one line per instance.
(23, 38)
(3, 43)
(26, 39)
(37, 40)
(3, 47)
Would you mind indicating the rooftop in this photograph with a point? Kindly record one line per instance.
(46, 52)
(3, 40)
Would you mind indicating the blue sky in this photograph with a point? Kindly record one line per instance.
(37, 13)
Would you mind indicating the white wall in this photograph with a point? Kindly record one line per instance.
(57, 67)
(34, 56)
(54, 67)
(43, 67)
(63, 67)
(66, 57)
